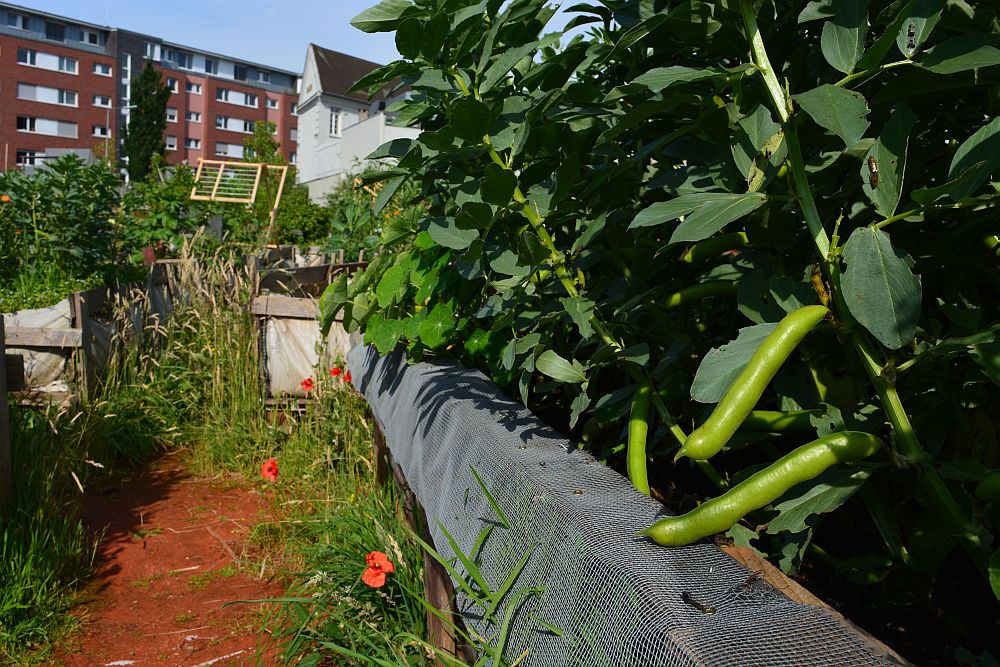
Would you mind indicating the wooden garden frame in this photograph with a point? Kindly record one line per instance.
(236, 182)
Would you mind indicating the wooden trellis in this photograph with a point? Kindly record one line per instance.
(237, 182)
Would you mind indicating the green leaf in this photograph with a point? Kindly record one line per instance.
(385, 335)
(392, 280)
(470, 119)
(437, 328)
(498, 185)
(580, 311)
(889, 155)
(982, 147)
(880, 290)
(396, 148)
(503, 65)
(386, 193)
(918, 26)
(994, 570)
(409, 38)
(383, 17)
(987, 355)
(722, 365)
(445, 233)
(550, 363)
(959, 54)
(818, 496)
(843, 38)
(837, 109)
(661, 78)
(713, 215)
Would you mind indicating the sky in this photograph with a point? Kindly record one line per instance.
(262, 31)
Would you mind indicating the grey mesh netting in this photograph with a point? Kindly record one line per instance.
(604, 596)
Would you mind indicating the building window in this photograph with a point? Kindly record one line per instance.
(251, 100)
(222, 94)
(171, 143)
(90, 37)
(220, 121)
(46, 95)
(334, 122)
(192, 143)
(193, 88)
(295, 108)
(102, 69)
(192, 116)
(248, 126)
(171, 115)
(55, 31)
(239, 72)
(211, 66)
(22, 158)
(149, 51)
(47, 126)
(172, 84)
(236, 97)
(228, 150)
(18, 21)
(295, 134)
(294, 158)
(67, 65)
(102, 101)
(272, 103)
(184, 60)
(264, 77)
(26, 56)
(101, 131)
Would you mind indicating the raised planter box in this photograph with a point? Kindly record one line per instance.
(581, 587)
(285, 303)
(64, 348)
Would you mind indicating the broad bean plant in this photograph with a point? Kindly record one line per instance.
(743, 246)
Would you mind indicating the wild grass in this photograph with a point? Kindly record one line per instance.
(194, 384)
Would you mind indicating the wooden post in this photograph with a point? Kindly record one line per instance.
(439, 592)
(84, 356)
(6, 476)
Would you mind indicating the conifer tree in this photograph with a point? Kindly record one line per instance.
(143, 137)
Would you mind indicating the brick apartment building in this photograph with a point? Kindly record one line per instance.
(65, 86)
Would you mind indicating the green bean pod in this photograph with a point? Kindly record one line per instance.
(762, 488)
(714, 247)
(988, 488)
(706, 440)
(779, 422)
(700, 291)
(638, 427)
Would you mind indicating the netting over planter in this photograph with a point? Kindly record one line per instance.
(602, 595)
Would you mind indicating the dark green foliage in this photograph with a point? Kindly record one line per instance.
(143, 137)
(854, 147)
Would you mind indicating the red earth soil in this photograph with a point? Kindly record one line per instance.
(168, 562)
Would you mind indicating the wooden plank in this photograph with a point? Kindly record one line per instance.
(6, 471)
(39, 337)
(277, 305)
(14, 364)
(795, 592)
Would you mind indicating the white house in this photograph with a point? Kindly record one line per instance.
(338, 129)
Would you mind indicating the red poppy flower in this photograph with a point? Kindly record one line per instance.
(269, 470)
(379, 566)
(307, 384)
(334, 372)
(347, 376)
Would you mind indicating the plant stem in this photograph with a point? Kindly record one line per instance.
(762, 62)
(868, 73)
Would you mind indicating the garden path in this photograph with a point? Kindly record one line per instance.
(166, 565)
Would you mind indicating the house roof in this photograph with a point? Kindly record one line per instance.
(339, 71)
